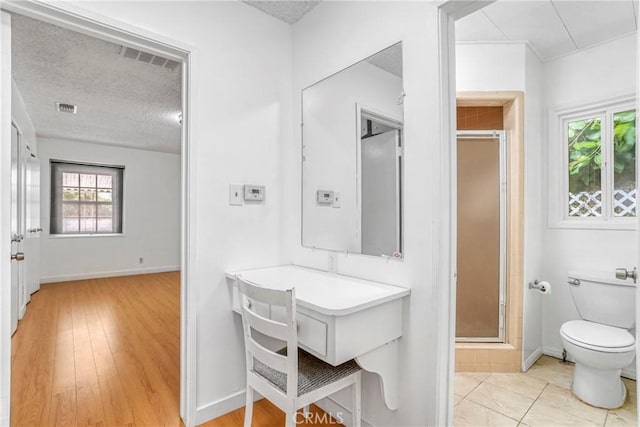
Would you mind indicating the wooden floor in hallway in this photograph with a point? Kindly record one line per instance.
(106, 352)
(100, 352)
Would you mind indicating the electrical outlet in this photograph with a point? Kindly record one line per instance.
(141, 260)
(332, 266)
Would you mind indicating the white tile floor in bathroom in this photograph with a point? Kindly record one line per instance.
(540, 397)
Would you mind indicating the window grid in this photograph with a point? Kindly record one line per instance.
(85, 196)
(610, 193)
(86, 199)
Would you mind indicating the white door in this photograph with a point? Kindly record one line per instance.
(380, 194)
(32, 227)
(17, 278)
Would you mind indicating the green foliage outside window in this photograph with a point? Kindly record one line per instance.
(585, 152)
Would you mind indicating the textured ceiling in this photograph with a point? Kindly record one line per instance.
(288, 11)
(120, 101)
(553, 28)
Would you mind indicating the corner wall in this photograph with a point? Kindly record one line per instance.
(333, 36)
(151, 215)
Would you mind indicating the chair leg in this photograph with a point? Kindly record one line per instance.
(290, 413)
(248, 409)
(356, 400)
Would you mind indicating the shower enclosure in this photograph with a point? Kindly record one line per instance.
(481, 241)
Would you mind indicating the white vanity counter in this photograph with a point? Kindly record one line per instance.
(339, 317)
(327, 293)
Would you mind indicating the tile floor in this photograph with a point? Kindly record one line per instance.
(540, 397)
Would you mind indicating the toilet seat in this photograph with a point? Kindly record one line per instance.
(598, 337)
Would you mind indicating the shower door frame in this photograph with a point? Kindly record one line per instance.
(502, 154)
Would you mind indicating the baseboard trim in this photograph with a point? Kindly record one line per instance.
(537, 353)
(85, 276)
(220, 407)
(555, 352)
(331, 406)
(628, 372)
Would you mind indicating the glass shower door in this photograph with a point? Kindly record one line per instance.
(481, 242)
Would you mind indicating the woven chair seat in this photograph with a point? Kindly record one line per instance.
(313, 373)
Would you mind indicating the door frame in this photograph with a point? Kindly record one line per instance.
(444, 241)
(77, 19)
(397, 124)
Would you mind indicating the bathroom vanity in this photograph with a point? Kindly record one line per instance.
(339, 317)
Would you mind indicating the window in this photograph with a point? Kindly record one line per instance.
(599, 168)
(85, 199)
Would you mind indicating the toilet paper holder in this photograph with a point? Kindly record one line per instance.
(537, 285)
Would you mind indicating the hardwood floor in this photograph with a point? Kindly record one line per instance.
(265, 414)
(106, 352)
(102, 352)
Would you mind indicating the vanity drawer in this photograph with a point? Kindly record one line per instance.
(312, 333)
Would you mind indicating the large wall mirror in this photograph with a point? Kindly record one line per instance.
(352, 158)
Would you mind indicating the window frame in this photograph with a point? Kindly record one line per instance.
(116, 171)
(559, 165)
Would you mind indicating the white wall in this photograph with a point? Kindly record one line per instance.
(597, 74)
(151, 215)
(333, 36)
(241, 123)
(490, 67)
(330, 144)
(21, 117)
(514, 67)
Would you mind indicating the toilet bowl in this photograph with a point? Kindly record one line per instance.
(600, 353)
(600, 343)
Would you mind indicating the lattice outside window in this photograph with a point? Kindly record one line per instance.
(597, 173)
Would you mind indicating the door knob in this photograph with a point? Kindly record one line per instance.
(18, 256)
(623, 274)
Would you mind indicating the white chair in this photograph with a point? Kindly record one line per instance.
(290, 378)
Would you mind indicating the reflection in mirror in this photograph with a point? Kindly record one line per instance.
(352, 158)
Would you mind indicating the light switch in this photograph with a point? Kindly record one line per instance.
(236, 196)
(337, 199)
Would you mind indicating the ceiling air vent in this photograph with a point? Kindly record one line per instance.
(66, 108)
(147, 58)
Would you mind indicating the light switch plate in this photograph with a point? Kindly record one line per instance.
(236, 194)
(337, 199)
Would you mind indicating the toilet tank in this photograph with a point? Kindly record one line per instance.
(601, 298)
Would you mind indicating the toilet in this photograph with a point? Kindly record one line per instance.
(600, 343)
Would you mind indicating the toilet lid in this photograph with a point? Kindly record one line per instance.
(596, 334)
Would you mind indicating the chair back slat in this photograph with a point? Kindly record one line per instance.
(267, 357)
(266, 295)
(268, 327)
(286, 330)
